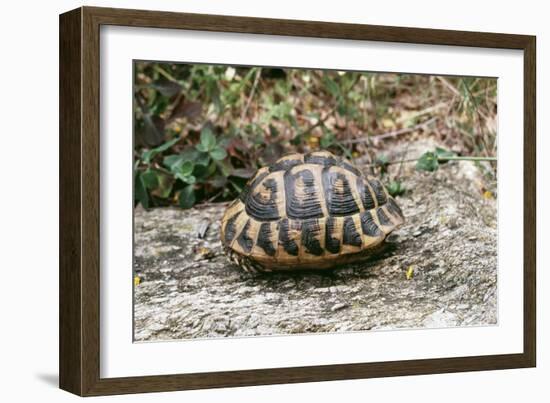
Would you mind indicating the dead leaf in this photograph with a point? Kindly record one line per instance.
(184, 108)
(203, 227)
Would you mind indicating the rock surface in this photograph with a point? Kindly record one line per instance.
(440, 270)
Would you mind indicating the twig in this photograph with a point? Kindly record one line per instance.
(456, 158)
(211, 199)
(392, 133)
(319, 122)
(451, 87)
(401, 165)
(394, 162)
(422, 112)
(155, 167)
(251, 95)
(441, 159)
(209, 203)
(166, 75)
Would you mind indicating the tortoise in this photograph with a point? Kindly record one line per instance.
(308, 211)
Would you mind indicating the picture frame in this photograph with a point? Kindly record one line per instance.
(80, 235)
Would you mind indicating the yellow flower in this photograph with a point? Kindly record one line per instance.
(388, 123)
(410, 272)
(137, 280)
(313, 141)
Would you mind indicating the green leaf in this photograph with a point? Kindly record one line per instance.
(218, 154)
(225, 168)
(200, 171)
(395, 188)
(208, 140)
(342, 108)
(237, 187)
(173, 162)
(202, 159)
(187, 168)
(159, 106)
(166, 145)
(140, 191)
(186, 197)
(202, 148)
(332, 86)
(296, 140)
(327, 139)
(381, 159)
(165, 186)
(442, 154)
(150, 179)
(273, 132)
(213, 166)
(189, 154)
(148, 155)
(189, 179)
(427, 162)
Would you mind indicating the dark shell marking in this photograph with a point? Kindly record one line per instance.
(287, 162)
(288, 244)
(244, 239)
(308, 211)
(379, 192)
(368, 225)
(264, 209)
(285, 165)
(348, 167)
(383, 218)
(394, 209)
(351, 236)
(252, 183)
(311, 231)
(338, 196)
(230, 228)
(315, 158)
(365, 194)
(302, 195)
(332, 241)
(264, 239)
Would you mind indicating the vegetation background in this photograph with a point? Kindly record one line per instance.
(201, 131)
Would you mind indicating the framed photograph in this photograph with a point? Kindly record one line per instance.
(249, 201)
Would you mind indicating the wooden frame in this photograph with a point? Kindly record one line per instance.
(79, 201)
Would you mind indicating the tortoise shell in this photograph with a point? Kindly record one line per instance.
(312, 211)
